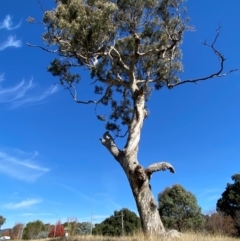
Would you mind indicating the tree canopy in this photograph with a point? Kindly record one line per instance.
(179, 209)
(32, 229)
(121, 222)
(126, 45)
(229, 203)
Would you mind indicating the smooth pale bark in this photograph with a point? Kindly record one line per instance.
(139, 177)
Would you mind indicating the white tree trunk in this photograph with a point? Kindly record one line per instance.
(139, 177)
(147, 207)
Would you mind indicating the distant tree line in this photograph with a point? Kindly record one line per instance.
(38, 230)
(177, 207)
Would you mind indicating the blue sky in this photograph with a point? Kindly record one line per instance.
(52, 164)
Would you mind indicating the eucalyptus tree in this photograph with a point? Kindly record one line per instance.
(179, 209)
(131, 48)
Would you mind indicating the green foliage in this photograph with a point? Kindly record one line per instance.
(2, 220)
(178, 209)
(112, 226)
(118, 41)
(229, 203)
(83, 228)
(42, 235)
(33, 229)
(73, 227)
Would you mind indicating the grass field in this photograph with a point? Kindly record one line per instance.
(139, 237)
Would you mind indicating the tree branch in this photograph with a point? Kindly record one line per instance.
(217, 73)
(159, 166)
(41, 6)
(45, 49)
(74, 95)
(109, 143)
(174, 38)
(118, 57)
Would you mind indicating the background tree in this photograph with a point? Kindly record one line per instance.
(57, 230)
(71, 225)
(2, 220)
(17, 231)
(220, 224)
(42, 235)
(83, 228)
(112, 226)
(130, 48)
(229, 203)
(48, 227)
(32, 229)
(179, 209)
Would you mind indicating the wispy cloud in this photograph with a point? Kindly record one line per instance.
(37, 99)
(110, 204)
(37, 214)
(213, 197)
(23, 204)
(11, 42)
(75, 191)
(21, 94)
(208, 192)
(21, 165)
(8, 24)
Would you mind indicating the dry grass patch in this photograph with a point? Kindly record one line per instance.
(206, 237)
(140, 237)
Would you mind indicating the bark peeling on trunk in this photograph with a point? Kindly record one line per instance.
(138, 177)
(147, 207)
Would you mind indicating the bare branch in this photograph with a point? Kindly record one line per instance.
(74, 95)
(109, 143)
(159, 166)
(47, 50)
(41, 6)
(73, 92)
(121, 136)
(217, 73)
